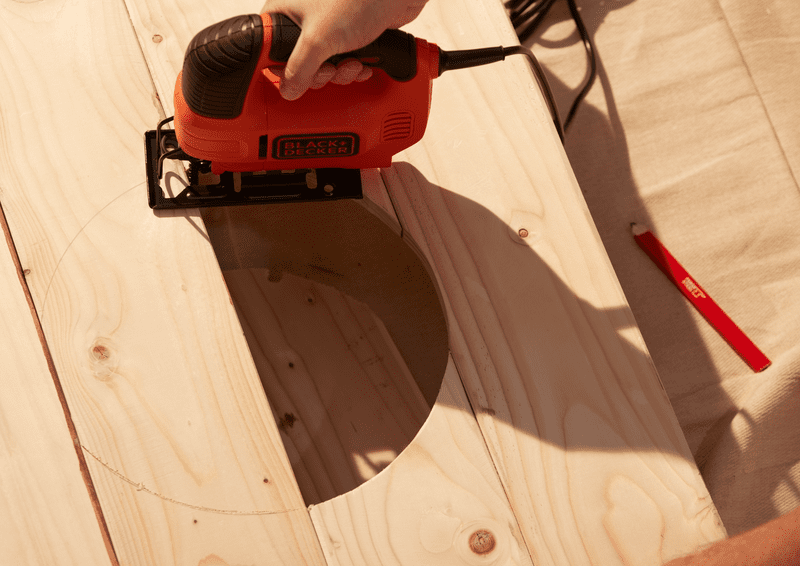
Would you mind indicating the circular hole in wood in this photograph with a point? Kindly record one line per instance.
(346, 327)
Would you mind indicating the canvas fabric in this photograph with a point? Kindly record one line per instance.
(693, 130)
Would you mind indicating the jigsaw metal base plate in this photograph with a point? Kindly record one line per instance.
(230, 189)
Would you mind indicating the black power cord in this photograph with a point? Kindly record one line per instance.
(543, 84)
(449, 60)
(526, 17)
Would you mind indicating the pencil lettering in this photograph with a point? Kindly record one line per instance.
(693, 288)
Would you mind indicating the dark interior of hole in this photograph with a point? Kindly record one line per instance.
(343, 245)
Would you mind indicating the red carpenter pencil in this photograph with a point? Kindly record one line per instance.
(701, 300)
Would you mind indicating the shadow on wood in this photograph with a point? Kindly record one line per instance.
(346, 328)
(558, 375)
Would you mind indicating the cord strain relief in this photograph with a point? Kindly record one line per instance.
(449, 60)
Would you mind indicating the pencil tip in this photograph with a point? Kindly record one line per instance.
(765, 366)
(637, 229)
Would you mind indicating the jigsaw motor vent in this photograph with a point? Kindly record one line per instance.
(398, 126)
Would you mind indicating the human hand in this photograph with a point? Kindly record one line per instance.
(346, 73)
(330, 27)
(776, 543)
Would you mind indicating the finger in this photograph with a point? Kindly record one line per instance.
(305, 60)
(325, 74)
(408, 15)
(365, 74)
(274, 6)
(347, 72)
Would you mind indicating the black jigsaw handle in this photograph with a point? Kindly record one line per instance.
(221, 59)
(394, 52)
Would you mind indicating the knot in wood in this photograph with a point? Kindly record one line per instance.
(481, 542)
(100, 353)
(102, 359)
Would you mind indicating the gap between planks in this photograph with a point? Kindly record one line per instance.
(87, 479)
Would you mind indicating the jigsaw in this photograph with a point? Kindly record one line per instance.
(240, 142)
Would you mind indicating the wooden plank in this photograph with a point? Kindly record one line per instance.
(578, 425)
(342, 394)
(47, 514)
(345, 325)
(581, 432)
(350, 247)
(181, 444)
(423, 506)
(428, 505)
(165, 28)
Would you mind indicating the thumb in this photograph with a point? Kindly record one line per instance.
(275, 6)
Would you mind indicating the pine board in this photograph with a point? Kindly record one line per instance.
(579, 427)
(46, 513)
(573, 413)
(167, 403)
(298, 274)
(166, 400)
(349, 246)
(425, 507)
(344, 398)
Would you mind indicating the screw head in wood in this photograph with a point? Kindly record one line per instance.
(523, 233)
(482, 542)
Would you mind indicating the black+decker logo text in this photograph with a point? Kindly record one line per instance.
(315, 145)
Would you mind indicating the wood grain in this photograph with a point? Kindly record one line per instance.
(164, 29)
(578, 425)
(166, 400)
(341, 392)
(349, 246)
(47, 515)
(575, 420)
(425, 506)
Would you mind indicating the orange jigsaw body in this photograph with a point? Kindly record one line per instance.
(360, 125)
